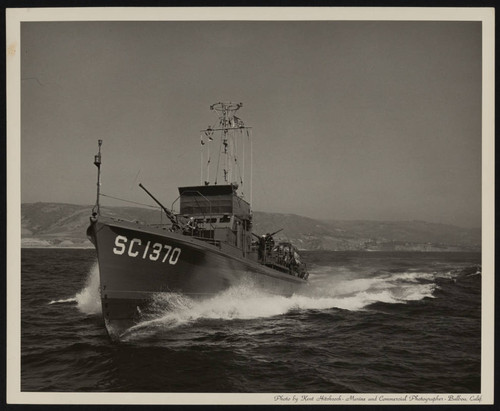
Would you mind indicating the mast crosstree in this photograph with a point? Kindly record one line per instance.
(232, 135)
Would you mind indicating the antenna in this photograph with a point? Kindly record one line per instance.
(230, 128)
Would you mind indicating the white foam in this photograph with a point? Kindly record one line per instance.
(63, 301)
(419, 292)
(88, 299)
(413, 276)
(245, 302)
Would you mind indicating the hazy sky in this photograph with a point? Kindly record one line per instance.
(351, 120)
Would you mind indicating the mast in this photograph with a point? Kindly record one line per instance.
(97, 162)
(229, 128)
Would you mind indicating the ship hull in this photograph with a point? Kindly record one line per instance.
(137, 263)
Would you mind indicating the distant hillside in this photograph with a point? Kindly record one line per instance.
(64, 225)
(369, 235)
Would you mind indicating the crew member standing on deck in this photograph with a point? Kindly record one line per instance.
(269, 240)
(262, 247)
(191, 226)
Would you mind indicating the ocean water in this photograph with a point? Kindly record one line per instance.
(383, 322)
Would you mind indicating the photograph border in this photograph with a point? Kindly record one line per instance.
(14, 18)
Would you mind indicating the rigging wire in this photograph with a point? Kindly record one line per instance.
(218, 162)
(128, 201)
(201, 158)
(208, 160)
(238, 174)
(243, 175)
(251, 165)
(135, 179)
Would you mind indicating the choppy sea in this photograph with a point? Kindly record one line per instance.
(369, 322)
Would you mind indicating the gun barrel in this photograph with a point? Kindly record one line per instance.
(169, 213)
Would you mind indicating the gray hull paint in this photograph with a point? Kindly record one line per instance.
(137, 262)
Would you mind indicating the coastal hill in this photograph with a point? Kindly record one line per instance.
(64, 225)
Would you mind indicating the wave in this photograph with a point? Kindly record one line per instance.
(473, 270)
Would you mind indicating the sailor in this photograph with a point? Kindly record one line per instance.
(262, 246)
(269, 242)
(279, 251)
(191, 226)
(286, 257)
(295, 264)
(296, 258)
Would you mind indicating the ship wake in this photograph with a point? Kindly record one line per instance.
(329, 288)
(245, 302)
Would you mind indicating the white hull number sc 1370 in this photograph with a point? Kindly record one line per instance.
(152, 252)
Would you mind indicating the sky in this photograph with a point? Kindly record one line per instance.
(352, 120)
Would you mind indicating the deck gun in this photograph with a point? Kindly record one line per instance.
(171, 216)
(268, 235)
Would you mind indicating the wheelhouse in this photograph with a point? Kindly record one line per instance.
(217, 213)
